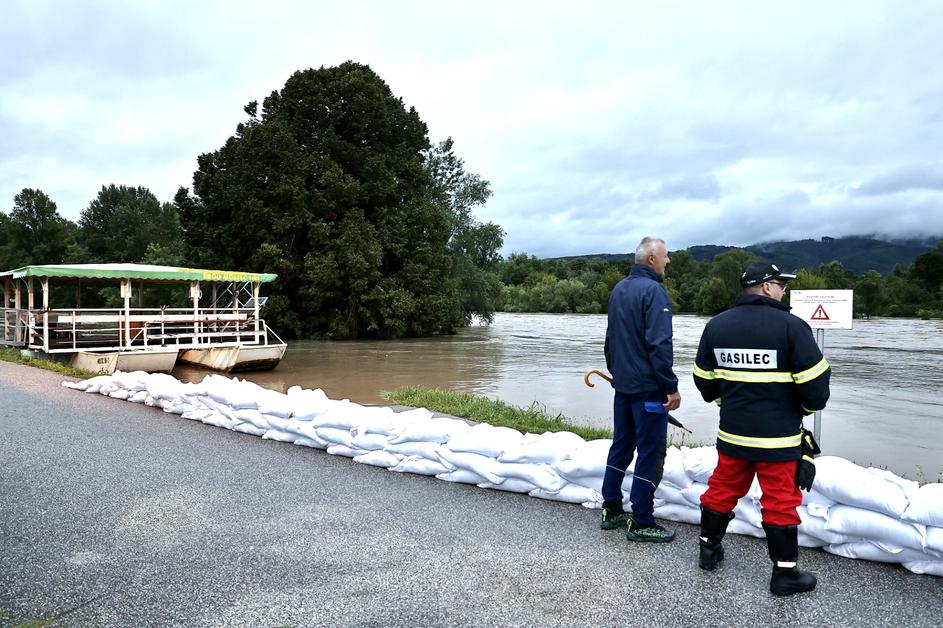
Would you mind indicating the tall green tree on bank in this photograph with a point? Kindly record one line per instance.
(34, 233)
(473, 245)
(327, 187)
(122, 222)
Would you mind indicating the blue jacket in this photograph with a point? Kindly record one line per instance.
(761, 364)
(639, 353)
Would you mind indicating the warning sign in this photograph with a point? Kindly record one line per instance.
(819, 314)
(824, 309)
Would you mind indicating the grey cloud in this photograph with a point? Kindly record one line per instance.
(703, 187)
(911, 178)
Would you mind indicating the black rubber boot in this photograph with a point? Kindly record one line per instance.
(783, 544)
(713, 528)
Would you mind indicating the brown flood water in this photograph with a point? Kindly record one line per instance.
(887, 385)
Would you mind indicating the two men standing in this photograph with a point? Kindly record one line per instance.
(756, 360)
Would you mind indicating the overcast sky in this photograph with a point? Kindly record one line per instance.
(596, 122)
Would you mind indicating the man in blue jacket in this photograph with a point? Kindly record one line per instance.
(639, 354)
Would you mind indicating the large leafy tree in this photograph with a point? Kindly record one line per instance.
(122, 222)
(327, 187)
(473, 245)
(34, 233)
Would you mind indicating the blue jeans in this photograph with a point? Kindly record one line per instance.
(635, 427)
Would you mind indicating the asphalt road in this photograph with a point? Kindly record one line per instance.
(115, 514)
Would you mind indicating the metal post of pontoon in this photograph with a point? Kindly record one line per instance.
(18, 303)
(45, 284)
(126, 283)
(30, 304)
(195, 295)
(255, 308)
(6, 304)
(235, 308)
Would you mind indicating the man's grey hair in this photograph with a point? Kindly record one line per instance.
(648, 246)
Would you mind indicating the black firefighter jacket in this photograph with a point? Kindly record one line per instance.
(762, 365)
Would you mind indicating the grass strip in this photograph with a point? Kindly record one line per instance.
(484, 410)
(13, 355)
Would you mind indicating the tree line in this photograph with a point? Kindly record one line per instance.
(582, 285)
(333, 184)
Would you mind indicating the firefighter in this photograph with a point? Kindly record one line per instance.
(762, 366)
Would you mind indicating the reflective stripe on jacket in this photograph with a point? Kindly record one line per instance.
(761, 364)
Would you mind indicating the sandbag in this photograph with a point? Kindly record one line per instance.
(378, 420)
(595, 483)
(307, 404)
(928, 567)
(254, 417)
(878, 552)
(486, 440)
(421, 466)
(692, 494)
(275, 404)
(814, 526)
(926, 505)
(462, 476)
(96, 381)
(314, 443)
(846, 483)
(369, 442)
(934, 540)
(679, 512)
(748, 511)
(276, 422)
(138, 397)
(674, 469)
(304, 430)
(341, 415)
(511, 485)
(378, 458)
(570, 493)
(120, 394)
(280, 436)
(131, 382)
(544, 448)
(588, 461)
(739, 526)
(540, 476)
(806, 540)
(335, 436)
(416, 448)
(438, 430)
(875, 527)
(344, 450)
(218, 419)
(482, 465)
(248, 428)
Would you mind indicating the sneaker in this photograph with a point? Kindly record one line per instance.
(614, 520)
(650, 534)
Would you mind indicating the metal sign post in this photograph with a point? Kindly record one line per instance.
(823, 309)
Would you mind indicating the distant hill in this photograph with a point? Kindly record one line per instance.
(856, 253)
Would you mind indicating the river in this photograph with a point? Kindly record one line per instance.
(886, 406)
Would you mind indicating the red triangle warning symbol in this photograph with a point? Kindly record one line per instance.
(819, 314)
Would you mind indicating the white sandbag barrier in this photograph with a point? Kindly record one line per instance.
(852, 511)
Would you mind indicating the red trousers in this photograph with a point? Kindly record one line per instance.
(732, 479)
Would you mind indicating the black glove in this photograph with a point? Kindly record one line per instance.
(805, 469)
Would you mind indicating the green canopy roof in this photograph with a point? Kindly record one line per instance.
(135, 271)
